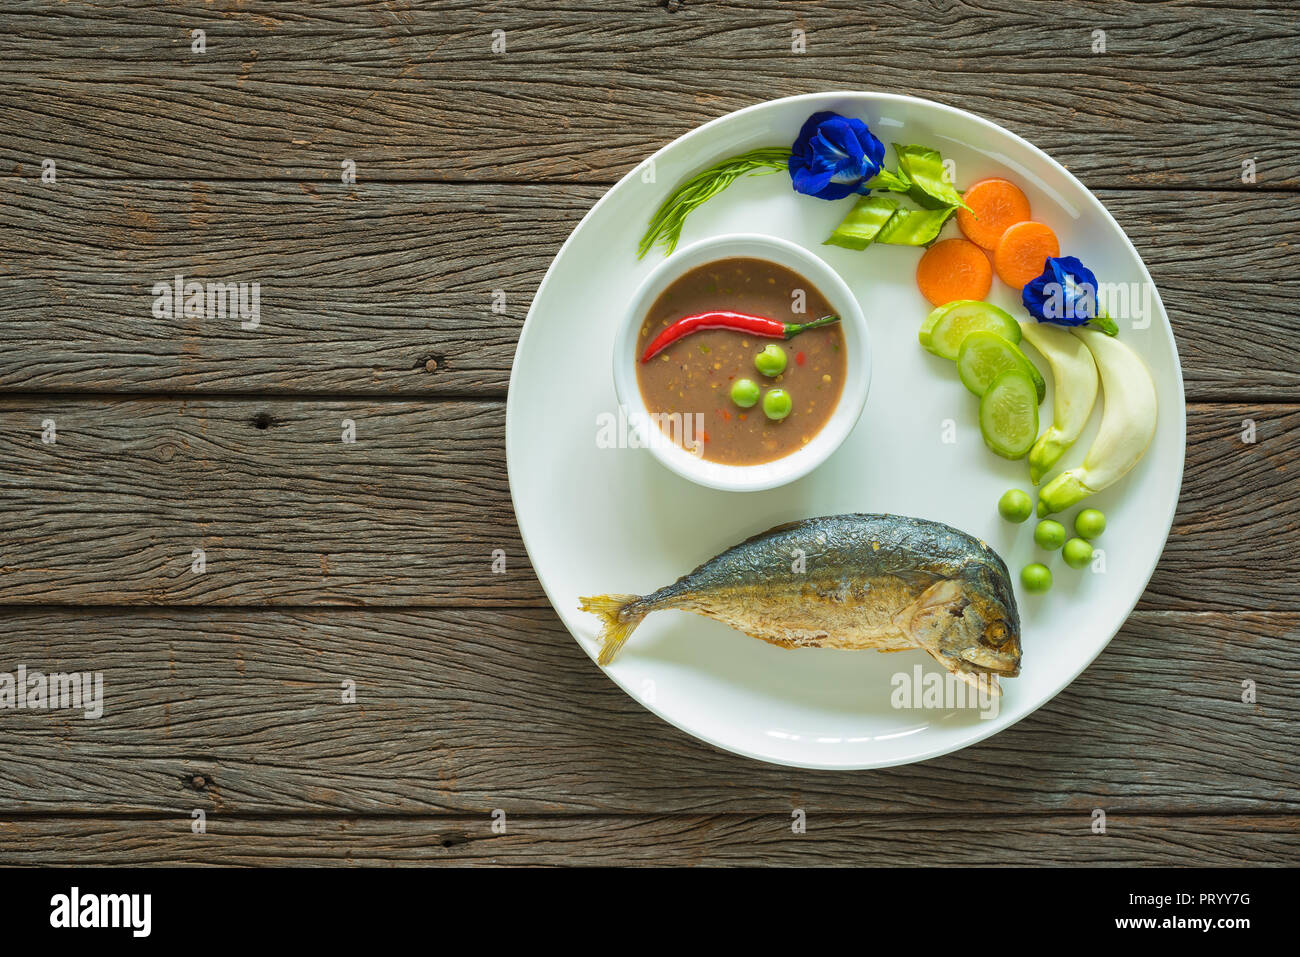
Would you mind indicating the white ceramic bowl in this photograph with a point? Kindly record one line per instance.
(765, 475)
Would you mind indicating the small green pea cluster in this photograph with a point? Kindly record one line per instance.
(1016, 506)
(777, 403)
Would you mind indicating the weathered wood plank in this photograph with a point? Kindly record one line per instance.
(1232, 544)
(412, 511)
(236, 712)
(695, 840)
(360, 288)
(357, 289)
(284, 507)
(291, 90)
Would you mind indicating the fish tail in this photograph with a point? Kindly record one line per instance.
(619, 622)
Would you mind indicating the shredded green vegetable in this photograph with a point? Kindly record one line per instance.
(666, 225)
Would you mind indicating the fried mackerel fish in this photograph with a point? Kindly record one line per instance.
(882, 582)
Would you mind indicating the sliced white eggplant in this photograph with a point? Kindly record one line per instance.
(1128, 423)
(1075, 390)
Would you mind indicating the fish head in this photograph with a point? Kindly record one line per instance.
(968, 623)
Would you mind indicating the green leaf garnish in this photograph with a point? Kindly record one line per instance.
(920, 176)
(863, 223)
(881, 219)
(878, 219)
(914, 227)
(893, 182)
(923, 167)
(666, 225)
(1104, 323)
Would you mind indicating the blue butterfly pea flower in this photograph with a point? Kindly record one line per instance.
(1065, 294)
(833, 156)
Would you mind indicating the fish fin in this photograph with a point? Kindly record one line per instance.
(773, 639)
(943, 592)
(783, 527)
(618, 622)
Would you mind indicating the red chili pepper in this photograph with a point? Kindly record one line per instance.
(800, 358)
(736, 321)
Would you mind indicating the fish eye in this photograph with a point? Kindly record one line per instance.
(996, 634)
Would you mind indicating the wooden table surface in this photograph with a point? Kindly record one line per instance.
(327, 563)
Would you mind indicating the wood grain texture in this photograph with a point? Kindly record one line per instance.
(285, 510)
(223, 689)
(412, 512)
(667, 840)
(360, 288)
(471, 710)
(1231, 544)
(585, 91)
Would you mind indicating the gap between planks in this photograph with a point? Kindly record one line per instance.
(659, 839)
(415, 817)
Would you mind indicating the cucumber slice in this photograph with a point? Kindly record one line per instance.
(984, 356)
(963, 317)
(937, 313)
(1009, 415)
(931, 320)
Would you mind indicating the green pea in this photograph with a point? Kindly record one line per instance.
(1036, 578)
(1049, 534)
(777, 403)
(1077, 553)
(1090, 523)
(1015, 505)
(771, 361)
(744, 392)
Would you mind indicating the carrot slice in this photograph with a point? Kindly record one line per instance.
(1023, 251)
(954, 269)
(994, 205)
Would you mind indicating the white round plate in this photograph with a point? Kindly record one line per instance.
(602, 520)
